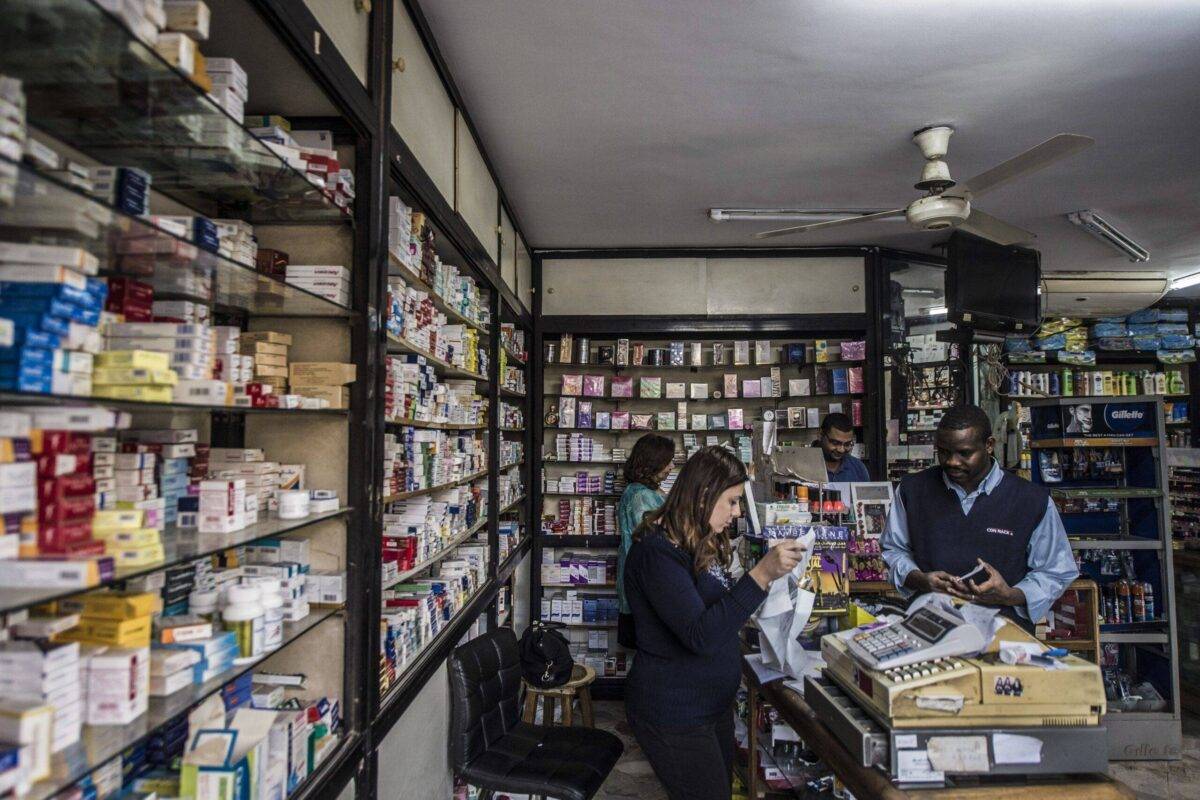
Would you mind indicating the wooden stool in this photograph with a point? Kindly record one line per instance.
(577, 688)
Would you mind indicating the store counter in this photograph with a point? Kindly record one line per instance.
(866, 782)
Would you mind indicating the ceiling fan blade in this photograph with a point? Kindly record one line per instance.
(830, 224)
(1032, 160)
(993, 229)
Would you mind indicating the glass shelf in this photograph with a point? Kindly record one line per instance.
(398, 270)
(397, 345)
(179, 546)
(41, 399)
(46, 209)
(100, 743)
(392, 498)
(438, 556)
(91, 83)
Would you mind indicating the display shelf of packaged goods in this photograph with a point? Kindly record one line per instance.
(1103, 398)
(512, 430)
(514, 355)
(700, 367)
(100, 743)
(513, 505)
(1043, 444)
(1116, 544)
(90, 82)
(556, 462)
(44, 399)
(422, 664)
(397, 345)
(1116, 493)
(676, 400)
(438, 556)
(507, 392)
(130, 246)
(435, 426)
(926, 408)
(581, 494)
(1134, 638)
(391, 498)
(506, 567)
(398, 270)
(180, 545)
(599, 540)
(579, 585)
(591, 625)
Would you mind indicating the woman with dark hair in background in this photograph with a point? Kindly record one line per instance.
(688, 612)
(647, 467)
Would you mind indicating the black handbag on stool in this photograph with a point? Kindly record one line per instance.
(545, 655)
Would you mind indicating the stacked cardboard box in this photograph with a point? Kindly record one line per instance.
(324, 380)
(269, 350)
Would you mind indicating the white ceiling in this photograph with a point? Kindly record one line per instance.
(620, 122)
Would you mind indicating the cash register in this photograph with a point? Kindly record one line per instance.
(927, 699)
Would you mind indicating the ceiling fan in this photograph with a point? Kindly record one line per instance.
(949, 204)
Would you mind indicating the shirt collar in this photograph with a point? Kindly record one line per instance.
(989, 482)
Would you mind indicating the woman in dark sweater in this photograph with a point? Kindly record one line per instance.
(680, 693)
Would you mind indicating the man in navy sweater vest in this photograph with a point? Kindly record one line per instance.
(968, 514)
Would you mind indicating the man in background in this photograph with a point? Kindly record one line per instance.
(837, 440)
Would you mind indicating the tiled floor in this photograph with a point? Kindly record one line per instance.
(1151, 780)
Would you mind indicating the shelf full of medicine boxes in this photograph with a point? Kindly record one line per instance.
(439, 401)
(600, 396)
(87, 91)
(1109, 493)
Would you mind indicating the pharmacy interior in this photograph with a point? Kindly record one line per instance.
(294, 403)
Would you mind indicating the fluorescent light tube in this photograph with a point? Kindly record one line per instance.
(1185, 281)
(936, 311)
(1106, 232)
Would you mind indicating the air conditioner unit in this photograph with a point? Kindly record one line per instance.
(1100, 294)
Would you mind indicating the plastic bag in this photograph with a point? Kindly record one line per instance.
(783, 616)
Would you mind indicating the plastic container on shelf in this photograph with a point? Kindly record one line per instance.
(244, 616)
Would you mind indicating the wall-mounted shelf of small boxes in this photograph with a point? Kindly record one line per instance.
(600, 395)
(175, 402)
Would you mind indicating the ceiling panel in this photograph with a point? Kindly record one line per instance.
(619, 123)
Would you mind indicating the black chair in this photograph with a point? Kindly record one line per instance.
(493, 749)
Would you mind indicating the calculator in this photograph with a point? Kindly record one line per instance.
(928, 633)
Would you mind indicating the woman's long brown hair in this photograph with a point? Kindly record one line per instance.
(684, 517)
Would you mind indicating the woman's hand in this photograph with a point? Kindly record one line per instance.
(779, 561)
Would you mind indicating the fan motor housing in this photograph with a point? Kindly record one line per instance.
(937, 213)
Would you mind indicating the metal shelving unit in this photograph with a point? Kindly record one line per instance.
(94, 86)
(1141, 531)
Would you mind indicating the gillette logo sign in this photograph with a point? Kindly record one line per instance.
(1124, 418)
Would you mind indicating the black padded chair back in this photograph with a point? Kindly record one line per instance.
(485, 688)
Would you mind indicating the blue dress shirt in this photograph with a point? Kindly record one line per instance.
(1051, 562)
(851, 470)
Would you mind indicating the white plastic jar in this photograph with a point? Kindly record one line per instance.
(244, 616)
